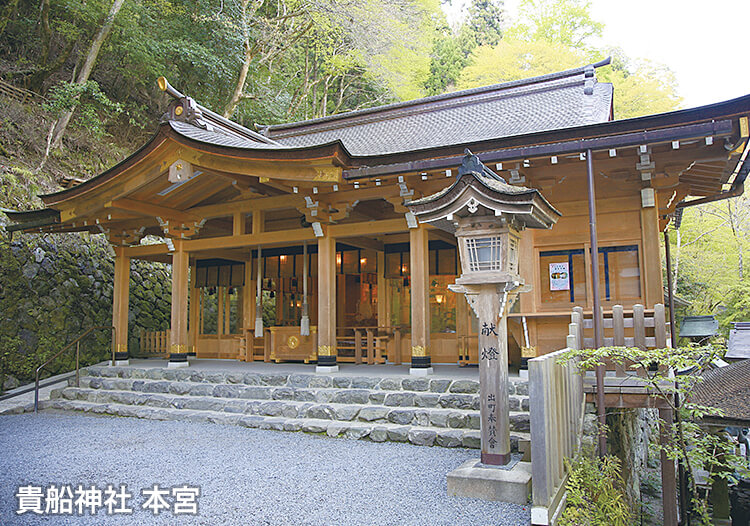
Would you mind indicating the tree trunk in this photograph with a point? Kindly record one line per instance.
(247, 57)
(733, 225)
(239, 88)
(88, 66)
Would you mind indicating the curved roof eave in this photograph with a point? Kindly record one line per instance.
(335, 150)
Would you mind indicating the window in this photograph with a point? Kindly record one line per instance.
(619, 272)
(563, 275)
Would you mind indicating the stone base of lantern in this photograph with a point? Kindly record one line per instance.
(474, 479)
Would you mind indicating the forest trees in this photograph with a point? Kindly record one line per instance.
(254, 60)
(552, 35)
(709, 259)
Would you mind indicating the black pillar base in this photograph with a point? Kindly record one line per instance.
(121, 356)
(421, 362)
(178, 357)
(327, 361)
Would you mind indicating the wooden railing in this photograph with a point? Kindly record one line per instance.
(154, 342)
(367, 344)
(556, 407)
(637, 328)
(20, 94)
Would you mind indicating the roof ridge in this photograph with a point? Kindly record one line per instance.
(265, 129)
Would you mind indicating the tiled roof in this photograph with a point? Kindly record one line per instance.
(551, 102)
(726, 388)
(219, 137)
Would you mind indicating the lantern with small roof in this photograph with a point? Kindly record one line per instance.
(487, 216)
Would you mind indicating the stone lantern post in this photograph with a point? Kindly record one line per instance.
(486, 215)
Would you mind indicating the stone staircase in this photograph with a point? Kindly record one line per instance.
(423, 411)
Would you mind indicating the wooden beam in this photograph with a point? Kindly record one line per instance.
(151, 210)
(277, 238)
(238, 224)
(366, 243)
(140, 251)
(653, 283)
(442, 235)
(308, 170)
(387, 226)
(279, 202)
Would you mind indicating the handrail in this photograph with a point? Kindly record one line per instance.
(77, 343)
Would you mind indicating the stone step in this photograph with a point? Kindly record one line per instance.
(300, 394)
(374, 431)
(422, 416)
(433, 384)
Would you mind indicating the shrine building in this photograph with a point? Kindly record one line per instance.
(293, 241)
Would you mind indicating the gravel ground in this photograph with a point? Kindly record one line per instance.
(247, 476)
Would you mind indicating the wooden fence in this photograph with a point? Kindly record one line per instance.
(636, 328)
(556, 406)
(154, 342)
(19, 94)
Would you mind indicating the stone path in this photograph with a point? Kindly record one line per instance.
(246, 476)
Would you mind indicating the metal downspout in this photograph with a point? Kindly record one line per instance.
(598, 336)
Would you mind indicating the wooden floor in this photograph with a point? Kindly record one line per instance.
(441, 370)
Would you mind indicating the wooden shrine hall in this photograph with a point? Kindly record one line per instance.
(300, 224)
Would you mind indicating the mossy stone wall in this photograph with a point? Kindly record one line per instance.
(54, 287)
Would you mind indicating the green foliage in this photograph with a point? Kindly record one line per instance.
(708, 260)
(595, 493)
(95, 109)
(553, 35)
(687, 440)
(485, 22)
(514, 59)
(736, 305)
(563, 22)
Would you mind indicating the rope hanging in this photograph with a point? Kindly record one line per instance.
(304, 328)
(258, 302)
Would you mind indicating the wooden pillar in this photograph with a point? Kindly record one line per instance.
(652, 274)
(120, 301)
(326, 304)
(420, 301)
(178, 345)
